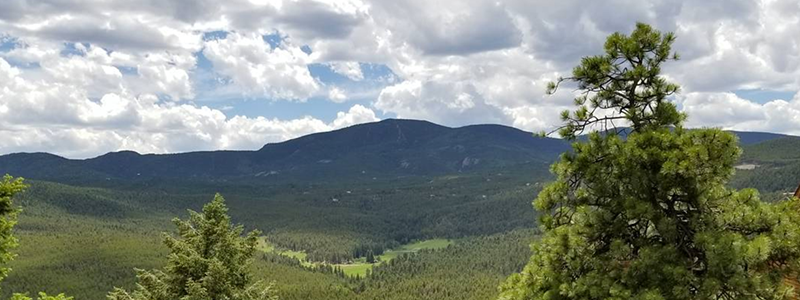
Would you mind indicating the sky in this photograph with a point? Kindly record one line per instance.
(82, 78)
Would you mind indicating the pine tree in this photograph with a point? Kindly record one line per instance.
(370, 257)
(648, 216)
(210, 260)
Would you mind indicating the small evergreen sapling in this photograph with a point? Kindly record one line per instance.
(209, 260)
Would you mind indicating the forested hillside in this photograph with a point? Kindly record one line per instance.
(772, 167)
(334, 199)
(85, 240)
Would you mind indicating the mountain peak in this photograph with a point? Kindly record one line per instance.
(119, 154)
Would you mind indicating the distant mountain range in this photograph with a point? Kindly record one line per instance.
(390, 147)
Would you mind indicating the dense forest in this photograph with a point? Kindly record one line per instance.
(85, 239)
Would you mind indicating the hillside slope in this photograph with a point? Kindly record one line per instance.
(771, 167)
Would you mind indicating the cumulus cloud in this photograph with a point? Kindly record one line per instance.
(729, 111)
(721, 109)
(61, 119)
(351, 69)
(336, 95)
(256, 67)
(727, 46)
(356, 115)
(451, 27)
(82, 77)
(443, 102)
(312, 19)
(252, 133)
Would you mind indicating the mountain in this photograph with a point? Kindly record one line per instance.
(745, 137)
(390, 147)
(751, 138)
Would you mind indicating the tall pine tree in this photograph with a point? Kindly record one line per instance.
(648, 215)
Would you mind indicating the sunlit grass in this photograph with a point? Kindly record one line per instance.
(359, 267)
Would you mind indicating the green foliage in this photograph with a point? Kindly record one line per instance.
(209, 261)
(776, 151)
(370, 257)
(42, 296)
(9, 187)
(469, 269)
(776, 166)
(623, 85)
(75, 248)
(86, 240)
(649, 217)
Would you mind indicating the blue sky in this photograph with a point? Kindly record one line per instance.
(81, 78)
(375, 77)
(363, 90)
(763, 95)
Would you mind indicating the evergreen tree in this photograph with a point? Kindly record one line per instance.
(210, 260)
(648, 216)
(370, 257)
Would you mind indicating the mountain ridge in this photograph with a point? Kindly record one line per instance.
(391, 147)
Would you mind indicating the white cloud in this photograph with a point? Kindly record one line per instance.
(252, 133)
(449, 27)
(336, 95)
(259, 69)
(356, 115)
(351, 69)
(535, 119)
(98, 70)
(63, 120)
(729, 111)
(449, 103)
(721, 109)
(83, 77)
